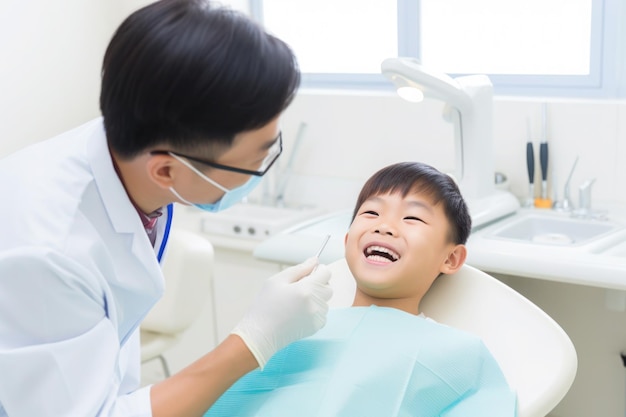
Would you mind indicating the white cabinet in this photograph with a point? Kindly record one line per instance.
(238, 276)
(238, 279)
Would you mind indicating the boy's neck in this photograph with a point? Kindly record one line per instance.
(408, 305)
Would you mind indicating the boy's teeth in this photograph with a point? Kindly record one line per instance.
(381, 252)
(379, 258)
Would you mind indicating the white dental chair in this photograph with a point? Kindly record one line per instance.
(188, 273)
(536, 356)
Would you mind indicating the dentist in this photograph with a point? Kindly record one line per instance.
(191, 98)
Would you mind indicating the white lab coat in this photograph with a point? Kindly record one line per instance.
(77, 276)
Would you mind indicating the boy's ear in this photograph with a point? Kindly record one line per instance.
(455, 260)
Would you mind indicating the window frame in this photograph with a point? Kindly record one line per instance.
(607, 61)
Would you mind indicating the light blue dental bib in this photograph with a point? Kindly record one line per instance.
(379, 362)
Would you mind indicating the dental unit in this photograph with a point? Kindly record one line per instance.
(468, 105)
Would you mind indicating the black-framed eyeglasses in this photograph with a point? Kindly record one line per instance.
(272, 155)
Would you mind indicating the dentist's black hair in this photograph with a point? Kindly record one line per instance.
(417, 177)
(188, 75)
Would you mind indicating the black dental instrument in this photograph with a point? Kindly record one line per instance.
(543, 159)
(530, 164)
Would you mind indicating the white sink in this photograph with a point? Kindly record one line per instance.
(554, 246)
(550, 229)
(254, 221)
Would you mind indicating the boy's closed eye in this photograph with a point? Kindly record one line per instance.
(414, 218)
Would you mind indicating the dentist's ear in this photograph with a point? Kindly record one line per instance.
(455, 260)
(160, 170)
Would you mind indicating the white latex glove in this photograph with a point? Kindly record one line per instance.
(291, 305)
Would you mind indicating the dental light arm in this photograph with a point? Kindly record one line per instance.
(408, 72)
(469, 101)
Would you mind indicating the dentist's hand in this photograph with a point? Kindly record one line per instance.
(291, 305)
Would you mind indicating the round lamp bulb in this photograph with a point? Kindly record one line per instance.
(412, 94)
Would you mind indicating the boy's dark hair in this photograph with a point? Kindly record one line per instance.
(417, 177)
(189, 75)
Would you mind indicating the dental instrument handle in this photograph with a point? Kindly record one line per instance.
(543, 154)
(543, 201)
(566, 193)
(530, 162)
(319, 252)
(281, 186)
(571, 172)
(543, 160)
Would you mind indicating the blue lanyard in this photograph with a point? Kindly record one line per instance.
(166, 234)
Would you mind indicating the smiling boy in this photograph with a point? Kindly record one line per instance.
(410, 224)
(381, 357)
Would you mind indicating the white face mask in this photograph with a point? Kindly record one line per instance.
(230, 197)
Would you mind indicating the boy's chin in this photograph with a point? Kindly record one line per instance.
(374, 281)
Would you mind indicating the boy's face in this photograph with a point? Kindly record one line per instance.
(397, 246)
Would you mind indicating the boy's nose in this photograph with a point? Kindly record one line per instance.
(385, 229)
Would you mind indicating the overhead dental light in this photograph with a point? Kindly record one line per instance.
(411, 94)
(468, 105)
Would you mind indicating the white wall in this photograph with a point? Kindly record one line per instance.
(52, 52)
(50, 68)
(352, 135)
